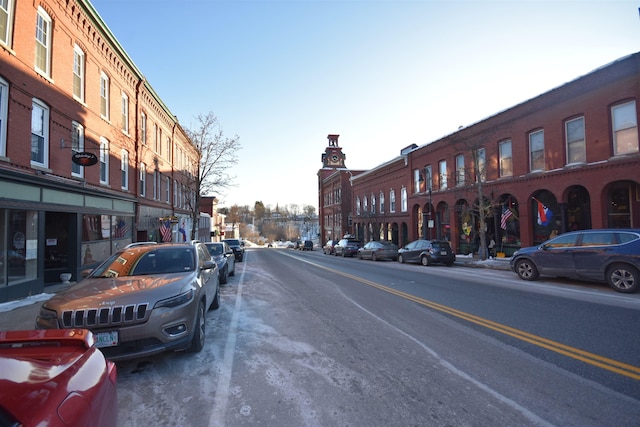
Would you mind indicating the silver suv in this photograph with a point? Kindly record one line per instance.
(142, 300)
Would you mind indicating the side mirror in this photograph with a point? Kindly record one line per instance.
(208, 265)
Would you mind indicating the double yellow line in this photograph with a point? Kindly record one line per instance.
(605, 363)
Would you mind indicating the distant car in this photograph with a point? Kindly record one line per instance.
(328, 248)
(427, 252)
(307, 245)
(141, 301)
(225, 259)
(607, 255)
(55, 378)
(347, 247)
(238, 248)
(377, 250)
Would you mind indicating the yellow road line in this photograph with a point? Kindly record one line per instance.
(593, 359)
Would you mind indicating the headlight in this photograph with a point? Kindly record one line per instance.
(47, 319)
(177, 300)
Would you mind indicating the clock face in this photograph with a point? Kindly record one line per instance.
(335, 158)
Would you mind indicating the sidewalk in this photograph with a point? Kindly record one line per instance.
(21, 314)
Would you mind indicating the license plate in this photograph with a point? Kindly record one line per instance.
(443, 252)
(106, 339)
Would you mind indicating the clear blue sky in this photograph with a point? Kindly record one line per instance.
(282, 75)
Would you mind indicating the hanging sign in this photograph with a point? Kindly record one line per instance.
(84, 159)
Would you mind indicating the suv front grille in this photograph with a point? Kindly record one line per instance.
(104, 316)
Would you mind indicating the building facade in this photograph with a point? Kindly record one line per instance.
(108, 162)
(565, 160)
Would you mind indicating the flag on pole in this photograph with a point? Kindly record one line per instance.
(165, 231)
(544, 213)
(506, 214)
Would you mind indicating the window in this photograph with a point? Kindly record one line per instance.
(6, 20)
(358, 211)
(365, 205)
(78, 73)
(104, 161)
(418, 182)
(392, 201)
(536, 151)
(506, 162)
(156, 181)
(481, 172)
(104, 96)
(77, 146)
(167, 189)
(158, 137)
(169, 149)
(143, 179)
(442, 168)
(43, 42)
(429, 178)
(403, 199)
(460, 169)
(124, 170)
(576, 151)
(125, 113)
(39, 134)
(4, 105)
(625, 129)
(373, 204)
(143, 128)
(381, 202)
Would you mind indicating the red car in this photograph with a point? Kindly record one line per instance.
(55, 377)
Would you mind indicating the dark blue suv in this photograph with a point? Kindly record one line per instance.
(606, 255)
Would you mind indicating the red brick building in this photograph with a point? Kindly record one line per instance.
(69, 90)
(567, 159)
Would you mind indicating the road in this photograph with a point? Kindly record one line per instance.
(306, 339)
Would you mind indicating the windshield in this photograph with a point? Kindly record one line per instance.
(147, 261)
(215, 249)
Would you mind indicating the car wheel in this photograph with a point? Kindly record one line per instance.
(527, 270)
(197, 342)
(359, 255)
(240, 259)
(400, 259)
(373, 257)
(233, 272)
(449, 264)
(223, 276)
(623, 278)
(424, 260)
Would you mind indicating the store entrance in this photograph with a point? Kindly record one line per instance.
(59, 246)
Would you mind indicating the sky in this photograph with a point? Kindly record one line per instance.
(283, 74)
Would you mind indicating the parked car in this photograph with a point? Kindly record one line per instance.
(328, 248)
(427, 252)
(237, 246)
(55, 378)
(376, 250)
(607, 255)
(347, 247)
(307, 245)
(141, 301)
(224, 258)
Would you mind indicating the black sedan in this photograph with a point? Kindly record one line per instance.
(224, 258)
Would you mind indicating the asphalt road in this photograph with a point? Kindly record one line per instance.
(304, 339)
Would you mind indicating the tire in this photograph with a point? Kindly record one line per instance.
(197, 341)
(359, 255)
(223, 276)
(424, 260)
(527, 270)
(400, 259)
(233, 273)
(215, 304)
(373, 257)
(623, 278)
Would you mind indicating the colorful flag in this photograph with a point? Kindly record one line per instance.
(165, 231)
(544, 213)
(183, 232)
(506, 214)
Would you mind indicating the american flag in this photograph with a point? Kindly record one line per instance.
(165, 231)
(121, 229)
(506, 214)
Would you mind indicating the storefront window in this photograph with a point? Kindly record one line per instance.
(21, 243)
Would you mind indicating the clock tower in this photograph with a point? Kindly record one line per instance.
(333, 157)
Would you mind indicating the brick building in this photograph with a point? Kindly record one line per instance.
(567, 159)
(108, 162)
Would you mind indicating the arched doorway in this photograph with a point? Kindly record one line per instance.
(578, 214)
(544, 211)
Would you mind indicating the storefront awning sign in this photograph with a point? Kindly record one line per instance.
(84, 158)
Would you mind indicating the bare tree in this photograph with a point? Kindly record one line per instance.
(218, 154)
